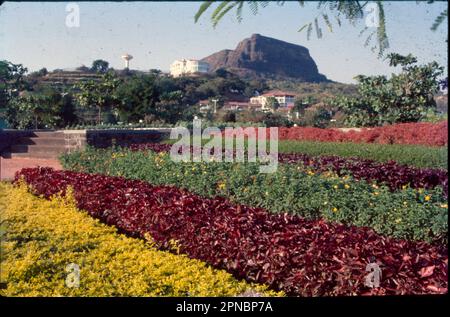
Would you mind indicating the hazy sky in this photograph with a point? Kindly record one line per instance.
(156, 33)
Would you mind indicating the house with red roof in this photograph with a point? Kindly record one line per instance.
(284, 98)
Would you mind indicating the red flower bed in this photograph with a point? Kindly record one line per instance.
(422, 133)
(301, 257)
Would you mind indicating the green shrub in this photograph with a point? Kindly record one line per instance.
(414, 155)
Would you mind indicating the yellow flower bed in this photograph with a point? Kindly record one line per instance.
(42, 241)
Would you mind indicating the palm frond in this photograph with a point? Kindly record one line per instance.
(224, 11)
(204, 6)
(318, 29)
(382, 37)
(439, 19)
(239, 11)
(218, 10)
(308, 31)
(303, 27)
(327, 22)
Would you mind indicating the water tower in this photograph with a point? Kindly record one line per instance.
(127, 57)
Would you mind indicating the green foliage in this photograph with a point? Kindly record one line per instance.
(45, 109)
(292, 189)
(138, 97)
(275, 120)
(439, 20)
(313, 92)
(317, 116)
(414, 155)
(100, 66)
(11, 81)
(272, 103)
(405, 97)
(101, 95)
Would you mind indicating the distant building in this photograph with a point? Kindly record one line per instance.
(284, 98)
(234, 105)
(183, 67)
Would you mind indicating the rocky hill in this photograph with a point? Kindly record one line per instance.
(260, 56)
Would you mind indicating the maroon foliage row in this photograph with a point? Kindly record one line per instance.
(301, 257)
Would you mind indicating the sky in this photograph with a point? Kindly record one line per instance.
(157, 33)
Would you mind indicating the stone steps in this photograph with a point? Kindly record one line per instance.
(43, 141)
(41, 144)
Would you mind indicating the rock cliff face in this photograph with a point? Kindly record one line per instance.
(260, 56)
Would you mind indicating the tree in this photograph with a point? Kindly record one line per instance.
(300, 104)
(99, 66)
(37, 110)
(138, 96)
(11, 81)
(352, 11)
(272, 103)
(100, 94)
(405, 97)
(169, 107)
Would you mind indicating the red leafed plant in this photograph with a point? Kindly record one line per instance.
(301, 257)
(421, 133)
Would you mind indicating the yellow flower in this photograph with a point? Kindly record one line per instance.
(335, 186)
(376, 193)
(347, 186)
(221, 185)
(405, 203)
(398, 220)
(427, 197)
(444, 206)
(404, 186)
(335, 209)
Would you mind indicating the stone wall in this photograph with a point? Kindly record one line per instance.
(78, 139)
(9, 137)
(106, 138)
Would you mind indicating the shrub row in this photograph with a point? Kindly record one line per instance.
(422, 133)
(407, 213)
(392, 174)
(43, 237)
(411, 155)
(301, 257)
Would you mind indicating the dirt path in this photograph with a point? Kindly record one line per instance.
(9, 166)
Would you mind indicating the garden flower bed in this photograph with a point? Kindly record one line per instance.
(41, 238)
(419, 214)
(392, 174)
(299, 256)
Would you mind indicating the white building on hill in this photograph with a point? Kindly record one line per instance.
(183, 67)
(284, 98)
